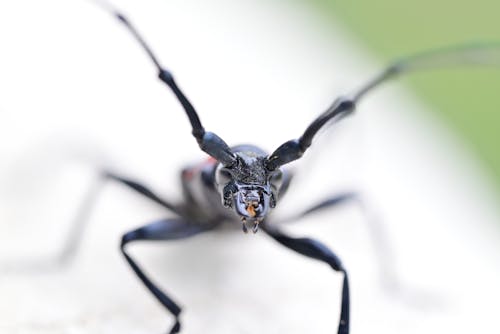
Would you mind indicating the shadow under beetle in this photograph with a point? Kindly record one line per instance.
(242, 184)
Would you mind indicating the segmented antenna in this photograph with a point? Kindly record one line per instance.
(209, 142)
(469, 54)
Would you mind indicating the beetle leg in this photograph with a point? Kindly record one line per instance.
(316, 250)
(78, 225)
(330, 203)
(143, 190)
(167, 229)
(378, 234)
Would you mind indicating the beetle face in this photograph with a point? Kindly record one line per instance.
(251, 201)
(248, 188)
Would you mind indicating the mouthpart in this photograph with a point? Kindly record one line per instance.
(254, 224)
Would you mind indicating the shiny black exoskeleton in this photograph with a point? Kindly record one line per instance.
(241, 185)
(247, 187)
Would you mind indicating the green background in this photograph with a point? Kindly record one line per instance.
(467, 99)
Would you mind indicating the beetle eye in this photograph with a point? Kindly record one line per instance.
(223, 176)
(276, 179)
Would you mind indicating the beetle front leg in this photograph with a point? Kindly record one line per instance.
(376, 229)
(317, 250)
(168, 229)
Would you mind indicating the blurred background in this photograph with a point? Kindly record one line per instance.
(77, 94)
(391, 29)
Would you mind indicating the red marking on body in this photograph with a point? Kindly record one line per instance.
(189, 173)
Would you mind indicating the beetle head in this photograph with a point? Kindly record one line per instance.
(248, 187)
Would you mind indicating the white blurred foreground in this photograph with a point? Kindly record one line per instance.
(77, 92)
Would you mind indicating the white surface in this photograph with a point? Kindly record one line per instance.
(77, 91)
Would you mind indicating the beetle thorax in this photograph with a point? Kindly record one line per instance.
(250, 169)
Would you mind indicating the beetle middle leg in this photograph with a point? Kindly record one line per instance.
(81, 219)
(78, 225)
(168, 229)
(143, 190)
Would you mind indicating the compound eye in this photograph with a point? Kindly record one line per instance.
(276, 179)
(223, 176)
